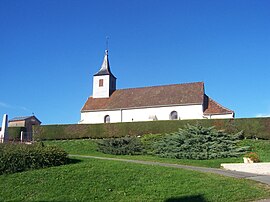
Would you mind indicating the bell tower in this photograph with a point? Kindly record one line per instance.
(104, 82)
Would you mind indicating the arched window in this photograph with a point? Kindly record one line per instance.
(173, 115)
(107, 119)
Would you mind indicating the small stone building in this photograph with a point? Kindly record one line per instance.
(25, 121)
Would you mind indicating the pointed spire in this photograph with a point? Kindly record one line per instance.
(105, 67)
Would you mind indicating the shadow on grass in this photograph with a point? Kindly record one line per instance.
(195, 198)
(73, 161)
(68, 162)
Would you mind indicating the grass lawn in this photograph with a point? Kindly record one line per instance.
(262, 147)
(99, 180)
(88, 147)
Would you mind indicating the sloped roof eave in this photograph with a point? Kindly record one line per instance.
(218, 113)
(214, 108)
(24, 118)
(105, 73)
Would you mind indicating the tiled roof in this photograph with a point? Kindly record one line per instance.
(177, 94)
(212, 107)
(22, 118)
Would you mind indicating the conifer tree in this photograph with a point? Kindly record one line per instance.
(198, 142)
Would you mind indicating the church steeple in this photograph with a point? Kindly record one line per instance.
(104, 81)
(105, 67)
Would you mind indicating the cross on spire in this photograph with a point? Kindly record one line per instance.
(107, 43)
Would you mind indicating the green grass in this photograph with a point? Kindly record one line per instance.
(80, 146)
(262, 147)
(99, 180)
(88, 147)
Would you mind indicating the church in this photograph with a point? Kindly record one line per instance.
(166, 102)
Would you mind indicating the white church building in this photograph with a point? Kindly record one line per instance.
(167, 102)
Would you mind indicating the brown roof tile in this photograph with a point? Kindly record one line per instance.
(177, 94)
(212, 107)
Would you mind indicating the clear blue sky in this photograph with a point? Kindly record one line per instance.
(49, 50)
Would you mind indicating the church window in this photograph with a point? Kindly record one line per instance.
(107, 119)
(100, 82)
(173, 115)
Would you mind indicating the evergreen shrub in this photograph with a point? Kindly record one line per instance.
(148, 140)
(21, 157)
(198, 142)
(121, 146)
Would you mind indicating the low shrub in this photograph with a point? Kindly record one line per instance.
(14, 133)
(121, 146)
(21, 157)
(198, 142)
(148, 140)
(253, 156)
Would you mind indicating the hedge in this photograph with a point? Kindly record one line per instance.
(14, 133)
(21, 157)
(252, 127)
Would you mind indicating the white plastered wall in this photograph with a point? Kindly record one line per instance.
(143, 114)
(220, 116)
(162, 113)
(104, 91)
(98, 116)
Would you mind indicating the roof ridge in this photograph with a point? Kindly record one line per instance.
(220, 105)
(21, 116)
(161, 85)
(17, 118)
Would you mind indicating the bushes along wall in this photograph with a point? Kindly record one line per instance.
(252, 127)
(21, 157)
(14, 133)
